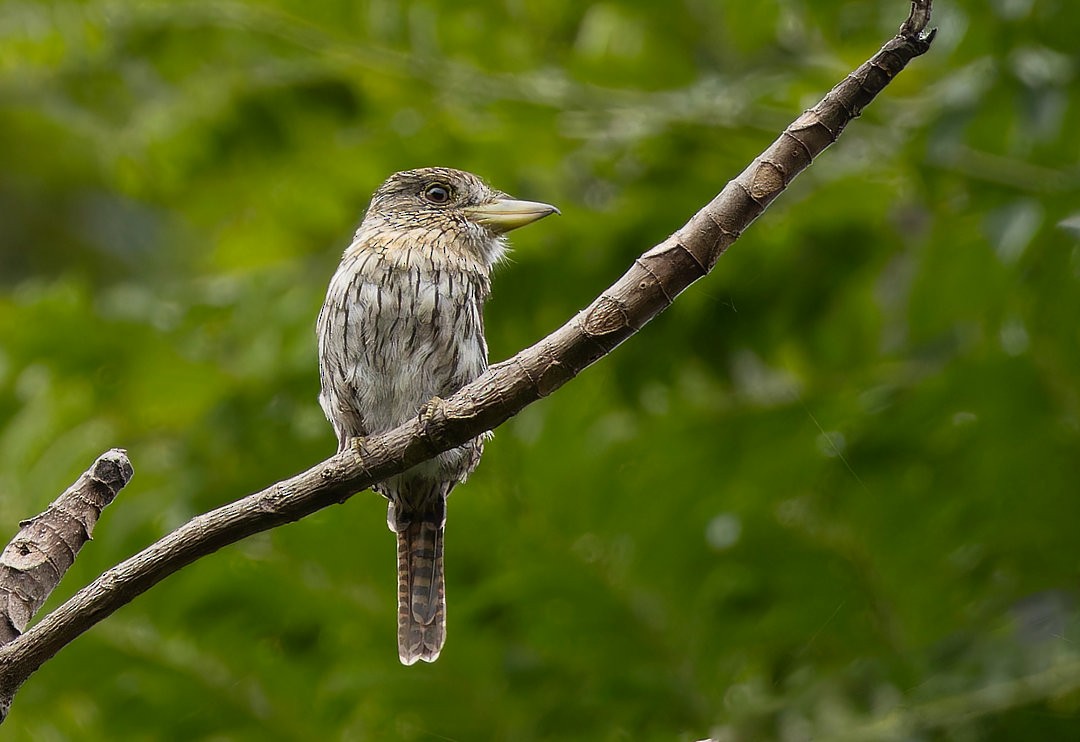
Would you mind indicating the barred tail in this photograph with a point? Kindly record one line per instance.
(421, 587)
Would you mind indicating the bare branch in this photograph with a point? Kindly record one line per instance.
(647, 288)
(45, 547)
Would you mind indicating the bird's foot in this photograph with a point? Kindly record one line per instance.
(430, 416)
(430, 410)
(356, 445)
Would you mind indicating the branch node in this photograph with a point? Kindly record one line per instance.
(914, 27)
(768, 180)
(606, 315)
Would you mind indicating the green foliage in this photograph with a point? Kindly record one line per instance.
(831, 494)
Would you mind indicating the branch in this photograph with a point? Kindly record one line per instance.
(46, 545)
(649, 287)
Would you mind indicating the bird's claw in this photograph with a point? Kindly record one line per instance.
(430, 410)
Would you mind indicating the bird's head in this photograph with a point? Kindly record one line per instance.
(453, 208)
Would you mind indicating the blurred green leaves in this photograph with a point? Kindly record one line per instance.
(829, 494)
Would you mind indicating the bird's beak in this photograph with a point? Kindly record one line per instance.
(506, 214)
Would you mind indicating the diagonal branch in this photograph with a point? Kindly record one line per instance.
(46, 545)
(647, 288)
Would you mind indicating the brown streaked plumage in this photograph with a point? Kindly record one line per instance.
(402, 323)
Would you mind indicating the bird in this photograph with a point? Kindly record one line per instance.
(403, 324)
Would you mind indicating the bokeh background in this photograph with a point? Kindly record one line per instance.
(831, 494)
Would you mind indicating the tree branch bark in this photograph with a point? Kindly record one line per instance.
(647, 288)
(45, 547)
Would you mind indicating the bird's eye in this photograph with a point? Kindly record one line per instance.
(437, 193)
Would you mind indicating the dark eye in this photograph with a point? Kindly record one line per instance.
(437, 193)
